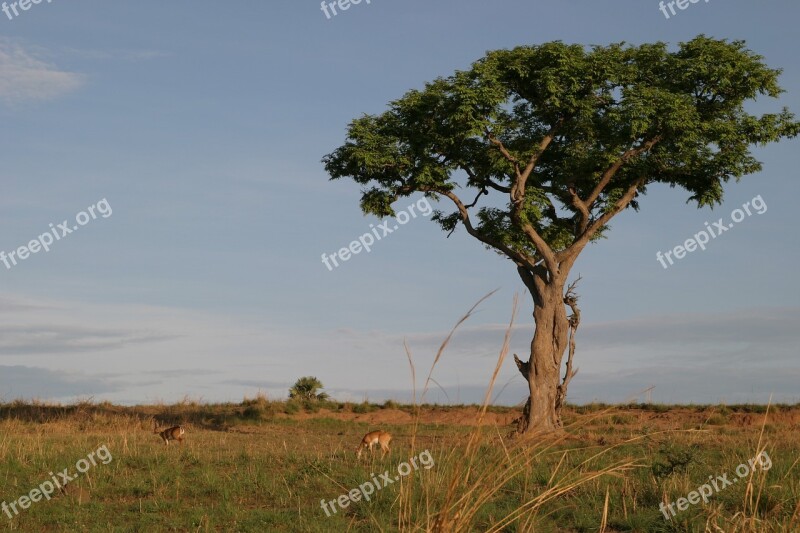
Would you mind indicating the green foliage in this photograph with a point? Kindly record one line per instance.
(390, 404)
(673, 459)
(306, 388)
(363, 407)
(311, 406)
(253, 412)
(291, 407)
(675, 117)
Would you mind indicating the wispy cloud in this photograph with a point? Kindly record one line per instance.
(24, 76)
(9, 305)
(31, 382)
(53, 339)
(699, 384)
(116, 55)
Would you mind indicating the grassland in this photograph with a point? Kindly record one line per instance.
(265, 466)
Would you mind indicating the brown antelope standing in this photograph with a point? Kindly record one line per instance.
(173, 433)
(372, 438)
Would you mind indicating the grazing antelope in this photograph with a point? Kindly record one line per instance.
(375, 437)
(173, 433)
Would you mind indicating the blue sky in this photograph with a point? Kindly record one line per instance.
(203, 124)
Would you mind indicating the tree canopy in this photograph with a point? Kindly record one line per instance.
(571, 134)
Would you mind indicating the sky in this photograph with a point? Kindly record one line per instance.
(195, 132)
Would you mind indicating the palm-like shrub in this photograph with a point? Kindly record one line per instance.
(306, 388)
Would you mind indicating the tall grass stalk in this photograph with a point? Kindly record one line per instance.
(469, 479)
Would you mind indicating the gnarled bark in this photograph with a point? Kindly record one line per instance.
(554, 331)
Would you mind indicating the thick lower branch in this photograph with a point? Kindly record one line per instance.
(535, 280)
(463, 211)
(523, 366)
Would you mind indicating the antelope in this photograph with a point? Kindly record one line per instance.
(173, 433)
(375, 437)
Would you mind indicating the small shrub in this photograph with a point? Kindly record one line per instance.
(390, 404)
(675, 460)
(253, 412)
(260, 399)
(311, 406)
(622, 419)
(364, 407)
(291, 408)
(717, 420)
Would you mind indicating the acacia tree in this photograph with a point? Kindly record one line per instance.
(564, 137)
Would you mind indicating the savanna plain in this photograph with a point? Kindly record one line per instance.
(264, 465)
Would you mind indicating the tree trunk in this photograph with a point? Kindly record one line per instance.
(542, 370)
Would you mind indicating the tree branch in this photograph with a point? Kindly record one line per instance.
(462, 209)
(543, 144)
(568, 255)
(584, 207)
(542, 247)
(475, 202)
(485, 182)
(497, 186)
(517, 194)
(528, 277)
(587, 231)
(523, 366)
(570, 299)
(580, 205)
(503, 150)
(621, 204)
(612, 170)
